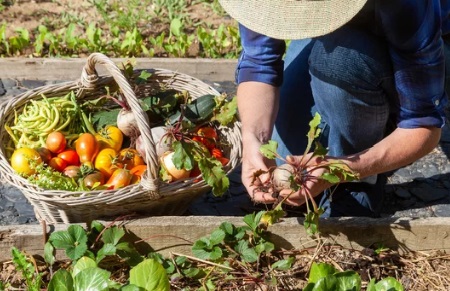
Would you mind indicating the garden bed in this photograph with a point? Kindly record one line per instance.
(411, 250)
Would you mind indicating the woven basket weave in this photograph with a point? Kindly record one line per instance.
(150, 197)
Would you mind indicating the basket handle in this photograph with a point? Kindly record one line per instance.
(89, 78)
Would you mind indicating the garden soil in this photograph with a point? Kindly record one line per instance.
(421, 189)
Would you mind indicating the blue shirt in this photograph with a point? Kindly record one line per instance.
(412, 29)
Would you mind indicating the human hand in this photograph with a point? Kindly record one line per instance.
(274, 186)
(310, 169)
(252, 162)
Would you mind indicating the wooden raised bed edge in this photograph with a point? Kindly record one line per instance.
(208, 70)
(171, 233)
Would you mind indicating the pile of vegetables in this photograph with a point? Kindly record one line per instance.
(62, 143)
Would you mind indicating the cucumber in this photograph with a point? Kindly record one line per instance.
(198, 110)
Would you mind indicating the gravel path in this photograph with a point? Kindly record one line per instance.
(421, 189)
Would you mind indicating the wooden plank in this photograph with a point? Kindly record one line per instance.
(211, 70)
(174, 234)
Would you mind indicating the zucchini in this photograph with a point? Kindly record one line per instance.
(198, 110)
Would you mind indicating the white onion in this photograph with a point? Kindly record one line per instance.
(162, 141)
(127, 123)
(281, 176)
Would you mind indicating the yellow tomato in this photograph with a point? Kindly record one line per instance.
(105, 162)
(25, 160)
(110, 137)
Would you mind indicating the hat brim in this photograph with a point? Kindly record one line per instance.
(292, 19)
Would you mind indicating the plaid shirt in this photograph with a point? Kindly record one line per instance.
(412, 29)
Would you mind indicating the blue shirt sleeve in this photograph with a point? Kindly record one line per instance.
(260, 59)
(416, 50)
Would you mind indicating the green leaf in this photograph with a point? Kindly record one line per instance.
(150, 275)
(313, 132)
(92, 279)
(311, 222)
(248, 254)
(272, 216)
(371, 285)
(348, 280)
(112, 235)
(193, 273)
(106, 250)
(82, 264)
(212, 254)
(214, 175)
(143, 77)
(320, 270)
(264, 246)
(127, 251)
(269, 150)
(182, 157)
(227, 227)
(388, 284)
(253, 220)
(131, 287)
(175, 27)
(74, 241)
(217, 236)
(49, 256)
(227, 112)
(320, 150)
(283, 265)
(327, 283)
(61, 281)
(331, 178)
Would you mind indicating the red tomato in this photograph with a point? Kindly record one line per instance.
(70, 156)
(195, 172)
(207, 132)
(56, 142)
(224, 161)
(58, 164)
(86, 147)
(217, 153)
(207, 136)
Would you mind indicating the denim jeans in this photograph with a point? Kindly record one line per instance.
(346, 77)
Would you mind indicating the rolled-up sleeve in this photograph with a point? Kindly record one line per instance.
(417, 52)
(261, 58)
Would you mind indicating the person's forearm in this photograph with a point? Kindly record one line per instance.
(258, 107)
(399, 149)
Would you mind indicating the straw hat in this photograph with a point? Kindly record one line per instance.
(293, 19)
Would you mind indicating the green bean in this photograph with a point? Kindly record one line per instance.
(11, 134)
(54, 123)
(65, 124)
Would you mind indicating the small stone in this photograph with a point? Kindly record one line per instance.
(428, 193)
(441, 210)
(31, 84)
(403, 193)
(2, 88)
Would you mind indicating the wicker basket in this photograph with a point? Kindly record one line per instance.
(150, 197)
